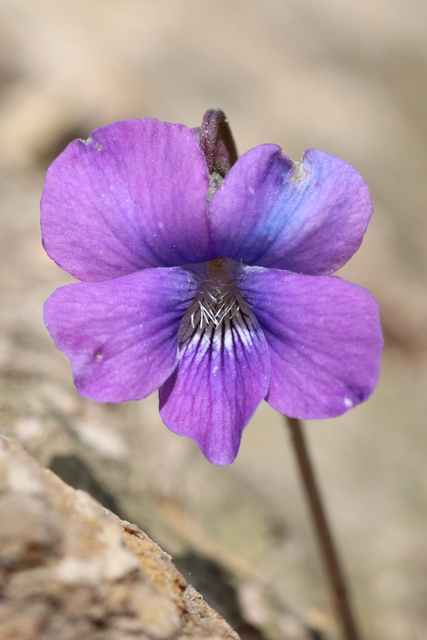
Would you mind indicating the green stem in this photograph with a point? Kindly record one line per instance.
(327, 546)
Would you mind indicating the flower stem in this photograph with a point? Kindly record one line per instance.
(328, 549)
(216, 142)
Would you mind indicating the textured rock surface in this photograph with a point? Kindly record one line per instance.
(69, 568)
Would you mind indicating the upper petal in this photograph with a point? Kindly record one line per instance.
(324, 336)
(308, 220)
(132, 196)
(222, 376)
(121, 335)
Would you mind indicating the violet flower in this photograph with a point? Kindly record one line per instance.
(211, 285)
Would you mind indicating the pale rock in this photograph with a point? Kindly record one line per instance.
(70, 569)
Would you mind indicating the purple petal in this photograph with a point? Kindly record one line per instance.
(121, 335)
(310, 220)
(132, 196)
(221, 378)
(324, 337)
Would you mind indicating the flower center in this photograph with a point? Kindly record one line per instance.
(218, 300)
(218, 308)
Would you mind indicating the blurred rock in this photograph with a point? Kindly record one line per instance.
(71, 569)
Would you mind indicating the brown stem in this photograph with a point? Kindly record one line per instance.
(324, 535)
(216, 141)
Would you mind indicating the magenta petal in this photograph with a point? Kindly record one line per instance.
(324, 337)
(132, 196)
(121, 335)
(310, 220)
(221, 378)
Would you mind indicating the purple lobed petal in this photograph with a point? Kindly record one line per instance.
(324, 338)
(133, 196)
(121, 335)
(310, 220)
(221, 378)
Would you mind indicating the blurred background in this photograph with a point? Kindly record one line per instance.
(349, 78)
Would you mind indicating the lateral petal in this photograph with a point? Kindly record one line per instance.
(222, 376)
(133, 196)
(310, 219)
(324, 337)
(121, 335)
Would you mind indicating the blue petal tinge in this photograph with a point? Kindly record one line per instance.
(308, 220)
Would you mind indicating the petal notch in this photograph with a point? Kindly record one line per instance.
(310, 219)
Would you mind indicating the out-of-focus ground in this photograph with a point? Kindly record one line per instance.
(349, 78)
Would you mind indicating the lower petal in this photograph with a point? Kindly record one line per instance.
(121, 335)
(222, 376)
(324, 337)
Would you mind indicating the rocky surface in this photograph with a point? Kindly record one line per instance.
(70, 569)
